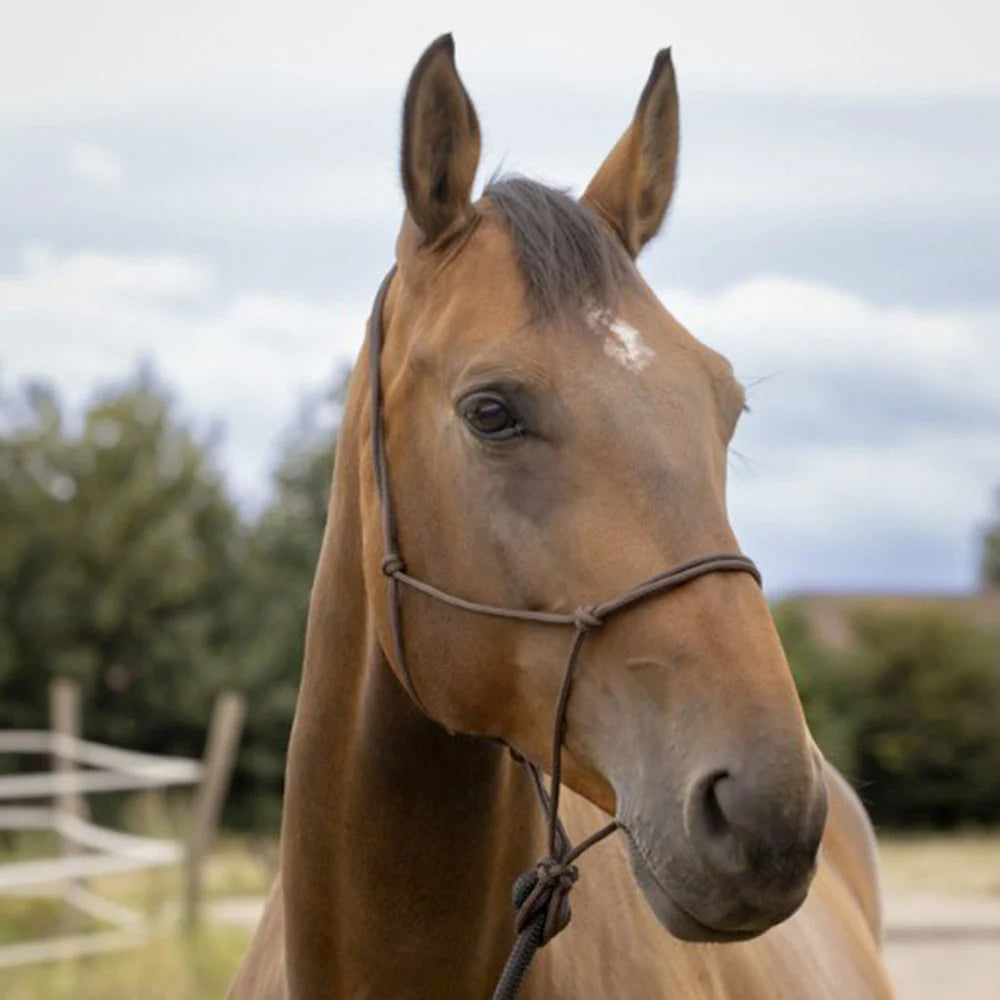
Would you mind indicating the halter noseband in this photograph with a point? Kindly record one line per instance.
(541, 895)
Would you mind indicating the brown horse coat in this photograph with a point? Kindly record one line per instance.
(554, 436)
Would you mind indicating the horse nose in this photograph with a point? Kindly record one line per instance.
(762, 831)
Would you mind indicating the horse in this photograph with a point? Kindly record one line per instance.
(551, 434)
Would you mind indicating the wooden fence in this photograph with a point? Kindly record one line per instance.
(80, 768)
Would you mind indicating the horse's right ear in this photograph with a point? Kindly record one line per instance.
(440, 144)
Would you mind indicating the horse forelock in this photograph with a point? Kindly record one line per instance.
(567, 257)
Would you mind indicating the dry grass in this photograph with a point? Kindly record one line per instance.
(171, 966)
(168, 968)
(958, 864)
(199, 967)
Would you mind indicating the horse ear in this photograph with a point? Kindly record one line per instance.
(632, 189)
(440, 143)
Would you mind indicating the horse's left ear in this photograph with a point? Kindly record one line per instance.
(440, 143)
(632, 189)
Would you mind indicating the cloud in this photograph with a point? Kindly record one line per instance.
(107, 50)
(296, 190)
(247, 360)
(99, 276)
(873, 443)
(868, 459)
(95, 164)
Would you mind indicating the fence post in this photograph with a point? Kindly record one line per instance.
(65, 719)
(220, 756)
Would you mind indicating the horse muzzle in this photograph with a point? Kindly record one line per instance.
(740, 859)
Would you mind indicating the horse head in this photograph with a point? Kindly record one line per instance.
(554, 435)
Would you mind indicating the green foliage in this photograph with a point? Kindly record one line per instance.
(278, 566)
(990, 562)
(117, 556)
(828, 686)
(125, 565)
(927, 740)
(909, 711)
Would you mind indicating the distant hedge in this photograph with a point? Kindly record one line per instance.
(910, 710)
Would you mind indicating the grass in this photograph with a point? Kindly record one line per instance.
(957, 864)
(174, 967)
(170, 966)
(199, 966)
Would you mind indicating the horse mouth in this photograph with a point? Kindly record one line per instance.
(674, 917)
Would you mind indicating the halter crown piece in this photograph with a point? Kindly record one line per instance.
(540, 896)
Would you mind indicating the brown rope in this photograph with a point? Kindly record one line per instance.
(542, 895)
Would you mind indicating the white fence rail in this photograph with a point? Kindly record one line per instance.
(89, 850)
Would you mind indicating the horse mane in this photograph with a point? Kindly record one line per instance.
(567, 256)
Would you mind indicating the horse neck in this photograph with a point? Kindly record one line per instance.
(399, 841)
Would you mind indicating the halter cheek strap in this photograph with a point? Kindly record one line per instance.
(541, 896)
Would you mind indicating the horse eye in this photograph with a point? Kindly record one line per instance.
(489, 416)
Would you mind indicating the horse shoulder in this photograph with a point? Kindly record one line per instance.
(850, 849)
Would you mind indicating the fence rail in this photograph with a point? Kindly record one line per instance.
(93, 754)
(87, 849)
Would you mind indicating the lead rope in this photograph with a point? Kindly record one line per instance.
(540, 896)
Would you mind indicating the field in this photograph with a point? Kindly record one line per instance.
(960, 865)
(171, 966)
(943, 916)
(943, 910)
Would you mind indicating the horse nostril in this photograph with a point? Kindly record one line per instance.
(709, 824)
(734, 800)
(738, 825)
(716, 824)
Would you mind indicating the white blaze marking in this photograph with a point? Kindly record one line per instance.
(622, 342)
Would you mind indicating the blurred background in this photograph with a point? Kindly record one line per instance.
(197, 201)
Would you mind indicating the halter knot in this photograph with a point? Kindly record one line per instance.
(554, 872)
(393, 564)
(586, 618)
(543, 896)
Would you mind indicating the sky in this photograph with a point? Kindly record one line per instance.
(211, 188)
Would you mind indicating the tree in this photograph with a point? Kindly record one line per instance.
(118, 550)
(990, 568)
(125, 565)
(827, 681)
(927, 718)
(278, 567)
